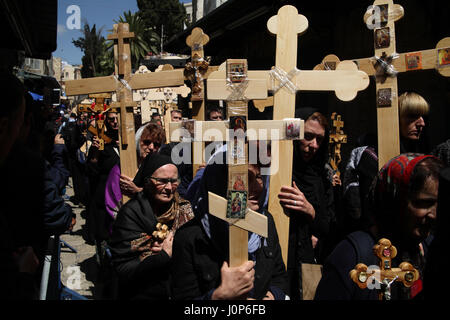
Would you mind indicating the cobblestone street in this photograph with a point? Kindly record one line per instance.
(79, 271)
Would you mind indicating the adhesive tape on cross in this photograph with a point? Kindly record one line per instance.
(284, 79)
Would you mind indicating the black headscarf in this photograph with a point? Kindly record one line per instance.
(151, 163)
(308, 175)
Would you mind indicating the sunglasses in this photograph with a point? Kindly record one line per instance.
(165, 181)
(148, 142)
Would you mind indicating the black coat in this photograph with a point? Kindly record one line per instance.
(196, 265)
(139, 278)
(312, 180)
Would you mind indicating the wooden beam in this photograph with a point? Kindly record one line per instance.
(253, 222)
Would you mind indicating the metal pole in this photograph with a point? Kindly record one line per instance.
(46, 269)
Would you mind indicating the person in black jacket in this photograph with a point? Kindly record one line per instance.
(404, 203)
(140, 258)
(309, 201)
(99, 165)
(201, 251)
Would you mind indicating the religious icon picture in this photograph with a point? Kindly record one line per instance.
(384, 13)
(238, 181)
(188, 126)
(384, 97)
(236, 70)
(292, 128)
(443, 57)
(236, 204)
(413, 61)
(382, 38)
(238, 122)
(237, 153)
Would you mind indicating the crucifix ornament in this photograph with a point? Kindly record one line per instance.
(337, 138)
(98, 109)
(382, 277)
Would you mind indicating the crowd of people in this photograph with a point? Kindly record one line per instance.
(332, 223)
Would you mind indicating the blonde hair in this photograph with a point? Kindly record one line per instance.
(412, 104)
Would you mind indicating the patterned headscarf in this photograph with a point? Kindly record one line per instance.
(394, 177)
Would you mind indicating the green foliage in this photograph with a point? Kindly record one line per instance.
(144, 40)
(92, 45)
(155, 13)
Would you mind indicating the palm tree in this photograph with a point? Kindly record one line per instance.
(92, 44)
(139, 45)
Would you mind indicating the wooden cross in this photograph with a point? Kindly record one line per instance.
(385, 65)
(123, 82)
(345, 81)
(166, 95)
(235, 71)
(383, 276)
(285, 80)
(196, 72)
(337, 137)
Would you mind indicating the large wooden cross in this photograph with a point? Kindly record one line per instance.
(284, 81)
(384, 275)
(345, 81)
(236, 75)
(122, 83)
(385, 65)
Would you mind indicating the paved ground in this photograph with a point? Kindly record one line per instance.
(80, 271)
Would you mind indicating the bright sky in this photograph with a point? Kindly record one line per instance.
(98, 12)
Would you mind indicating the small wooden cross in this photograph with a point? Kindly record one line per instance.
(385, 275)
(197, 68)
(337, 138)
(166, 94)
(196, 72)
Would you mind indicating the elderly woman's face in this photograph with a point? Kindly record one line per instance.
(163, 183)
(420, 210)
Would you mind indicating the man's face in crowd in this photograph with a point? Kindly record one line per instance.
(113, 120)
(216, 116)
(176, 116)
